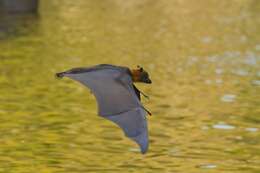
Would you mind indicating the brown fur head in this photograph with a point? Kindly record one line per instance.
(140, 75)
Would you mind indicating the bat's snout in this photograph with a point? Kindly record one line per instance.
(148, 81)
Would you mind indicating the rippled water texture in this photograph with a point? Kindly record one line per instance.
(204, 60)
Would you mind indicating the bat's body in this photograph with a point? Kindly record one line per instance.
(117, 97)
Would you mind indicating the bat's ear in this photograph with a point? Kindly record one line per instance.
(140, 68)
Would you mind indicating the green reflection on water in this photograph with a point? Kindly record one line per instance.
(204, 61)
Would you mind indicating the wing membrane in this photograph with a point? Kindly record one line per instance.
(117, 99)
(111, 89)
(134, 125)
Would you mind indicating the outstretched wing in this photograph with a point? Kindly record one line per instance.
(134, 125)
(116, 98)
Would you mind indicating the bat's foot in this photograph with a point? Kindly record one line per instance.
(146, 96)
(149, 113)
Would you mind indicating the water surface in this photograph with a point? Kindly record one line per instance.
(204, 60)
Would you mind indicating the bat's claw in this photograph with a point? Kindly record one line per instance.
(147, 111)
(59, 75)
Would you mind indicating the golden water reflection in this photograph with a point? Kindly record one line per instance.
(204, 61)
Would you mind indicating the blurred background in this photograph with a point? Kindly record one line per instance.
(203, 58)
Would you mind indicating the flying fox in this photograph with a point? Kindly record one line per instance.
(118, 99)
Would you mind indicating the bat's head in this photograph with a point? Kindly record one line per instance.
(140, 75)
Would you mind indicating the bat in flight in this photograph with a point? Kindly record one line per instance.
(117, 97)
